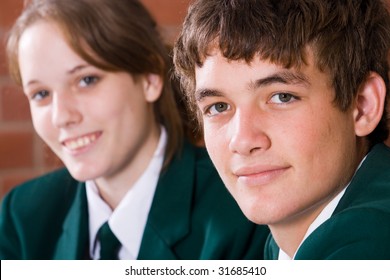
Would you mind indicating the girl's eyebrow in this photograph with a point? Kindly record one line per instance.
(77, 68)
(69, 72)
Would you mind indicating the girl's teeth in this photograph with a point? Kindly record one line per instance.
(80, 142)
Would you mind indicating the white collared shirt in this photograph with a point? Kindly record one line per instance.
(128, 220)
(325, 214)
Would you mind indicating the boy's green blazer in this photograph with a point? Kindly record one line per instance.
(359, 228)
(192, 217)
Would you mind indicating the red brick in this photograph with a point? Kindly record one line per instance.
(16, 150)
(3, 64)
(167, 12)
(9, 10)
(15, 104)
(12, 180)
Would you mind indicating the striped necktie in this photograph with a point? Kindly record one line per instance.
(109, 244)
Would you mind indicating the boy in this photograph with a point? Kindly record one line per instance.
(292, 96)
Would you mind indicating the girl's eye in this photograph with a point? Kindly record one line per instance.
(217, 108)
(40, 95)
(88, 80)
(281, 98)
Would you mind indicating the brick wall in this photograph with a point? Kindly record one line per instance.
(22, 154)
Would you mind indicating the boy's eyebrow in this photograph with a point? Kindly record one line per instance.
(204, 92)
(282, 77)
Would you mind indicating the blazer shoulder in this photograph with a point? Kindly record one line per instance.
(50, 188)
(202, 157)
(34, 214)
(357, 233)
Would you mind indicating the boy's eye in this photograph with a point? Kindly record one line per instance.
(217, 108)
(283, 97)
(88, 80)
(40, 95)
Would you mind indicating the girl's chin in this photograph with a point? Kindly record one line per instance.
(83, 175)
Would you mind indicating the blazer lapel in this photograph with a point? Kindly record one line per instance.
(73, 242)
(169, 217)
(271, 249)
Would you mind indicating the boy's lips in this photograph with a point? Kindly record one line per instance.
(259, 175)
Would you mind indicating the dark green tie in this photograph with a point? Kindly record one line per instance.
(109, 244)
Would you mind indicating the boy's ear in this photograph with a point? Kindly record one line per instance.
(153, 85)
(369, 104)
